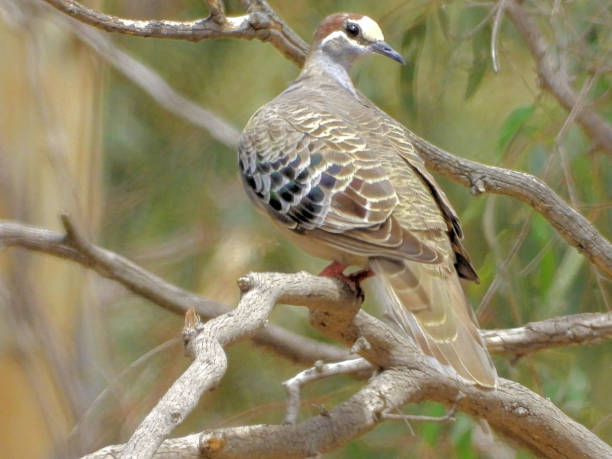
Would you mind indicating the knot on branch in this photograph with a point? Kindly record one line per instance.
(477, 185)
(259, 20)
(211, 444)
(193, 326)
(245, 283)
(361, 344)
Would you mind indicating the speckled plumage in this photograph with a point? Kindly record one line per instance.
(342, 178)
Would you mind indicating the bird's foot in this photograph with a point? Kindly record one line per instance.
(353, 280)
(334, 269)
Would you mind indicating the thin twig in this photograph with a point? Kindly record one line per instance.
(319, 371)
(449, 416)
(499, 15)
(259, 24)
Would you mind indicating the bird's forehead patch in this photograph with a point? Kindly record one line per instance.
(369, 29)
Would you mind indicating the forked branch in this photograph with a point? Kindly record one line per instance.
(406, 376)
(260, 23)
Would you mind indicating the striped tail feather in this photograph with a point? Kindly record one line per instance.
(428, 303)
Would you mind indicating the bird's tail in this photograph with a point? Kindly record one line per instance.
(428, 303)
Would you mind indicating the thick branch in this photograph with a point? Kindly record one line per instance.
(379, 344)
(407, 376)
(319, 434)
(207, 342)
(260, 23)
(554, 78)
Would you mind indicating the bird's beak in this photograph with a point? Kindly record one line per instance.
(383, 48)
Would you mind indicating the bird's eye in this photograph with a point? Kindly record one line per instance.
(352, 29)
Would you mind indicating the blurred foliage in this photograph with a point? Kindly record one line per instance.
(173, 203)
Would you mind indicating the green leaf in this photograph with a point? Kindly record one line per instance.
(444, 22)
(513, 124)
(412, 45)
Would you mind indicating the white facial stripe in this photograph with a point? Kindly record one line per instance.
(369, 29)
(341, 35)
(332, 36)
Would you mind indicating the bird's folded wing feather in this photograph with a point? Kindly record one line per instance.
(315, 173)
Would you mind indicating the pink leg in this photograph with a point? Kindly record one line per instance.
(334, 269)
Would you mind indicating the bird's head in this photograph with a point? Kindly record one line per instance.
(344, 37)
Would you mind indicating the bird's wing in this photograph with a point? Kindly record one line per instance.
(427, 301)
(401, 144)
(315, 173)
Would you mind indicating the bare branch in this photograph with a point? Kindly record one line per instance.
(331, 313)
(319, 371)
(206, 342)
(449, 416)
(407, 376)
(555, 79)
(361, 413)
(499, 15)
(581, 329)
(574, 329)
(260, 23)
(160, 292)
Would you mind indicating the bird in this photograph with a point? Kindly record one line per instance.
(344, 182)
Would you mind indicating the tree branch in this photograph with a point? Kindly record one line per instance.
(330, 314)
(583, 329)
(480, 178)
(261, 23)
(207, 342)
(576, 329)
(407, 376)
(555, 79)
(157, 290)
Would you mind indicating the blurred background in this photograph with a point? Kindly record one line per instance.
(82, 360)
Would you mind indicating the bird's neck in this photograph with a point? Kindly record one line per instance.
(319, 64)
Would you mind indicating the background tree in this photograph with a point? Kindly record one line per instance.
(170, 201)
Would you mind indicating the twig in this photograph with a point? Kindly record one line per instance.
(583, 329)
(449, 416)
(319, 371)
(569, 223)
(114, 385)
(499, 15)
(332, 311)
(259, 24)
(160, 292)
(206, 342)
